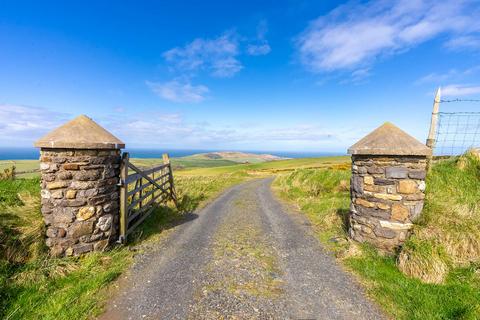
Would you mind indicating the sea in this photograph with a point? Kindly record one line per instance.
(17, 153)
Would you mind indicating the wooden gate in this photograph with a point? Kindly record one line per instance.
(141, 190)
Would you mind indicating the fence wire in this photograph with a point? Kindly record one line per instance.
(457, 132)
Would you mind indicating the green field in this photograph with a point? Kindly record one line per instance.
(436, 275)
(33, 286)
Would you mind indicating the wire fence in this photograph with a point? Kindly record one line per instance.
(457, 132)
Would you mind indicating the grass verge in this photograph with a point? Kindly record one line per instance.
(445, 245)
(36, 286)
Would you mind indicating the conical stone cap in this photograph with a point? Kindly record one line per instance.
(388, 139)
(80, 133)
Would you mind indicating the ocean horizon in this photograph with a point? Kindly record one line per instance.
(19, 153)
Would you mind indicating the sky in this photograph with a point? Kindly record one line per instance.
(278, 75)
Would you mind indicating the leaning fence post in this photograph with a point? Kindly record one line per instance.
(124, 198)
(431, 140)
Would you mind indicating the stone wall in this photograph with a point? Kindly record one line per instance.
(387, 196)
(80, 199)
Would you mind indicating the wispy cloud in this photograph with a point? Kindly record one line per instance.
(460, 90)
(450, 75)
(260, 46)
(354, 35)
(464, 42)
(177, 91)
(258, 49)
(175, 131)
(25, 124)
(216, 56)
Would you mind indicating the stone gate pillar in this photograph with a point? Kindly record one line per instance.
(80, 167)
(387, 186)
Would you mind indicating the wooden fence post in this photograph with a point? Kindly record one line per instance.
(166, 160)
(124, 198)
(434, 120)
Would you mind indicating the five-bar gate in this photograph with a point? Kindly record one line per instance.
(141, 190)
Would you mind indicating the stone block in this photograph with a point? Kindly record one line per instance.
(105, 222)
(85, 213)
(421, 186)
(82, 248)
(45, 194)
(396, 173)
(383, 206)
(90, 175)
(57, 185)
(417, 174)
(400, 212)
(357, 184)
(79, 229)
(71, 194)
(364, 203)
(414, 197)
(73, 203)
(373, 212)
(407, 186)
(81, 185)
(98, 200)
(57, 194)
(384, 232)
(384, 196)
(368, 180)
(65, 175)
(101, 245)
(71, 166)
(375, 170)
(383, 182)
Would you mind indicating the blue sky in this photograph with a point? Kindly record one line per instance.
(250, 75)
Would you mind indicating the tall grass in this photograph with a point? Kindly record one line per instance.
(36, 286)
(437, 274)
(448, 234)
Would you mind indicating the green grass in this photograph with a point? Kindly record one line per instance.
(272, 167)
(36, 286)
(9, 190)
(448, 231)
(446, 241)
(406, 298)
(448, 235)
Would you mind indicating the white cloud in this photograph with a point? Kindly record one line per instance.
(464, 42)
(177, 91)
(450, 75)
(353, 35)
(258, 49)
(176, 132)
(25, 124)
(217, 56)
(460, 90)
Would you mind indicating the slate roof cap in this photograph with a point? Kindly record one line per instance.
(80, 133)
(388, 139)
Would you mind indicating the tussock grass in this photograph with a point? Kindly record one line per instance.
(448, 234)
(437, 273)
(322, 194)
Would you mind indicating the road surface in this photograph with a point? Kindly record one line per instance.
(243, 257)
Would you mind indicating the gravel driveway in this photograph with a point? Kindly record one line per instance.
(243, 257)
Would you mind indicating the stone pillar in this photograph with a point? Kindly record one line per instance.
(387, 186)
(80, 167)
